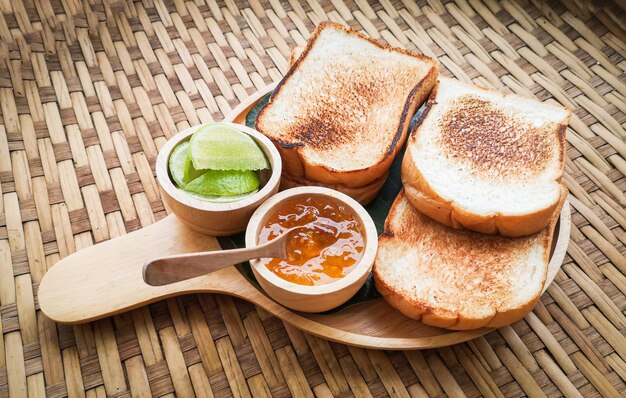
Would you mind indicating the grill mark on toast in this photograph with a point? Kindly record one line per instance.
(476, 131)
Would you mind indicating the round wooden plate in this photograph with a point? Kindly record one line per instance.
(105, 279)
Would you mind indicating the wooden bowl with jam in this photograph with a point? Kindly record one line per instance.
(214, 217)
(328, 262)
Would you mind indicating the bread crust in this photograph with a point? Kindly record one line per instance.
(298, 166)
(442, 318)
(294, 54)
(363, 195)
(424, 198)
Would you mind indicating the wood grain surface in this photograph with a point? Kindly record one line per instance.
(89, 92)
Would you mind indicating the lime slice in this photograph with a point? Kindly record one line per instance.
(224, 183)
(181, 167)
(177, 163)
(222, 147)
(190, 172)
(222, 199)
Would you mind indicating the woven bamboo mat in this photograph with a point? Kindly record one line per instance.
(88, 94)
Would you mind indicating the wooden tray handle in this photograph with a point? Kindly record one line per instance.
(106, 278)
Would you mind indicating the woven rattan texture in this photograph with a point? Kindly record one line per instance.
(88, 94)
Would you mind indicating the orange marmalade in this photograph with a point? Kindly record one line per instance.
(326, 251)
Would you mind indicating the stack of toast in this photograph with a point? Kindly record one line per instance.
(341, 113)
(467, 241)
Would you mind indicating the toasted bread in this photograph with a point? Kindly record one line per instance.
(485, 161)
(363, 195)
(341, 113)
(459, 279)
(295, 54)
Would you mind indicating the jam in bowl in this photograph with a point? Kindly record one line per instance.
(328, 248)
(328, 261)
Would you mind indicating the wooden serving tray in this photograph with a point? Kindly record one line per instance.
(105, 279)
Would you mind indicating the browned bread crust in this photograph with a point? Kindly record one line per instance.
(416, 229)
(294, 54)
(328, 127)
(363, 195)
(528, 154)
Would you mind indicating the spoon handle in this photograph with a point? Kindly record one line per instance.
(166, 270)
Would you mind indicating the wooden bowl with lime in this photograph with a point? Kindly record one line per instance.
(213, 176)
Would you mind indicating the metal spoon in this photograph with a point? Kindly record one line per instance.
(166, 270)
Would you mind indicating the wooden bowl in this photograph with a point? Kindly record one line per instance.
(217, 219)
(313, 298)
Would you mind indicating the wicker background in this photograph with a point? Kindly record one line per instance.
(88, 94)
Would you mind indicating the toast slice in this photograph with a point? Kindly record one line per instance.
(363, 195)
(485, 161)
(459, 279)
(341, 113)
(295, 53)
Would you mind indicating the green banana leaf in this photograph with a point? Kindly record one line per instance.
(378, 209)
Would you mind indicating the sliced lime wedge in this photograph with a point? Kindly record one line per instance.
(190, 172)
(177, 162)
(224, 183)
(222, 147)
(181, 167)
(222, 199)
